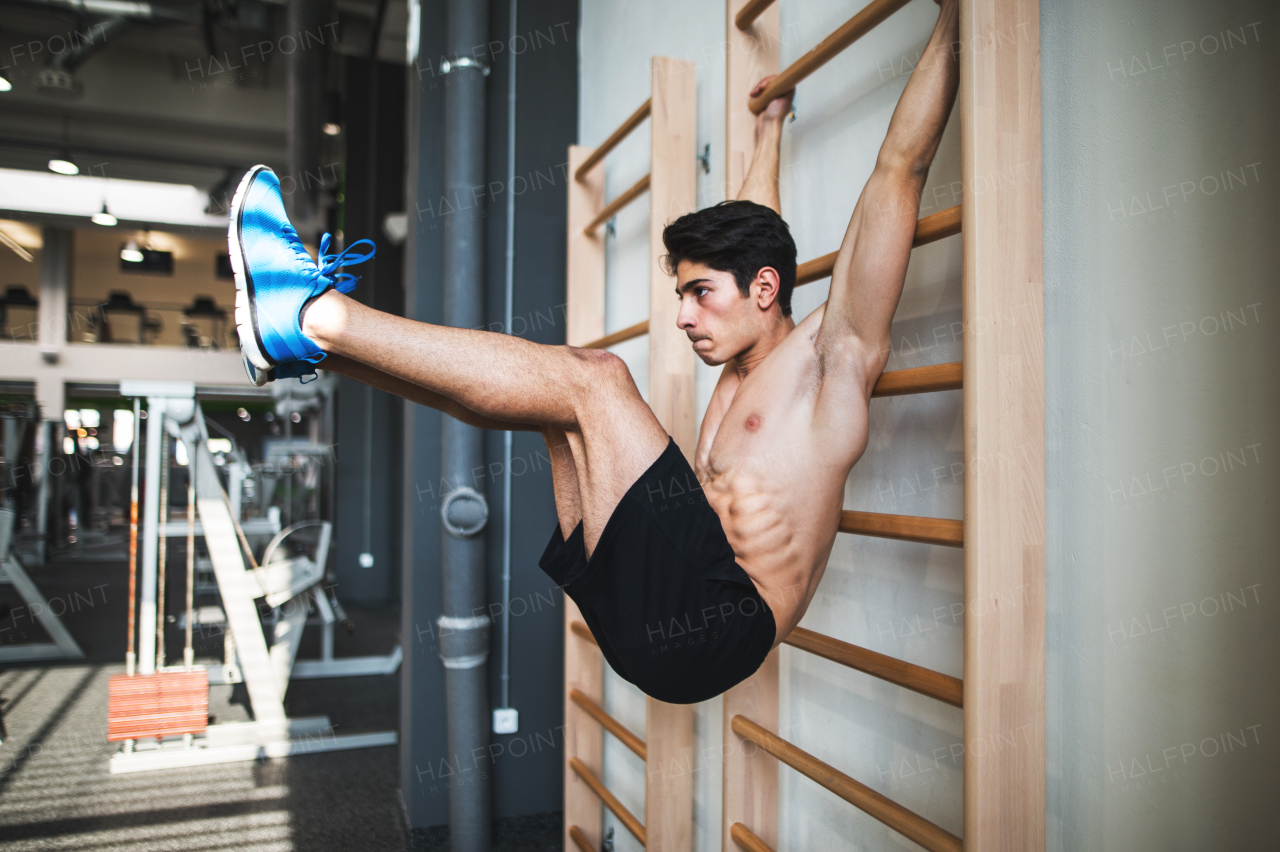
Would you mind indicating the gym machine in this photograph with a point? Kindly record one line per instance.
(160, 713)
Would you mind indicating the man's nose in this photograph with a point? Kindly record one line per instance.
(685, 319)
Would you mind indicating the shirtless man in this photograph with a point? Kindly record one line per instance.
(686, 577)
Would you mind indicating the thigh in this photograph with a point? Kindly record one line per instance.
(616, 440)
(564, 480)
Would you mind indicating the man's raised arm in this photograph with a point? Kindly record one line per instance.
(761, 182)
(866, 282)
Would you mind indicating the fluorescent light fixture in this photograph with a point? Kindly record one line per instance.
(332, 128)
(68, 445)
(155, 203)
(63, 167)
(103, 217)
(130, 252)
(5, 85)
(218, 445)
(90, 418)
(72, 418)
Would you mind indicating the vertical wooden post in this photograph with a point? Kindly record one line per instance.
(750, 776)
(584, 254)
(752, 56)
(672, 193)
(1004, 509)
(583, 665)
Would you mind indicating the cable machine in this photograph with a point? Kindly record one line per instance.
(159, 712)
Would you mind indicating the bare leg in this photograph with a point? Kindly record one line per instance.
(414, 393)
(588, 395)
(564, 480)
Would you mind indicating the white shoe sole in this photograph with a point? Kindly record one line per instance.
(244, 310)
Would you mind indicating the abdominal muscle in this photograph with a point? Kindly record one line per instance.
(783, 548)
(777, 481)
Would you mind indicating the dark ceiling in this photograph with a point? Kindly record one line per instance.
(183, 91)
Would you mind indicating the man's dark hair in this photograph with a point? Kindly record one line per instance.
(739, 237)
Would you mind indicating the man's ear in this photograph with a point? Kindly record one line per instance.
(765, 287)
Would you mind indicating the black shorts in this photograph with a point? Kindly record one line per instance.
(663, 594)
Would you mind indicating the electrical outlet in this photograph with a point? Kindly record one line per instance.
(506, 720)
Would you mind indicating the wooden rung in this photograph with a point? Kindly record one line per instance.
(612, 725)
(746, 839)
(632, 122)
(910, 825)
(935, 377)
(610, 801)
(944, 223)
(629, 333)
(853, 29)
(747, 14)
(611, 209)
(908, 675)
(581, 629)
(904, 527)
(579, 838)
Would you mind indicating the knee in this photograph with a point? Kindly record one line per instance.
(603, 370)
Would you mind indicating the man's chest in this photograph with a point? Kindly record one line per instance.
(758, 421)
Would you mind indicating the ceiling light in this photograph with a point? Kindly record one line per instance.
(331, 128)
(5, 85)
(104, 217)
(129, 252)
(63, 167)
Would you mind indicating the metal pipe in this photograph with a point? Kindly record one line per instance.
(303, 79)
(183, 13)
(366, 521)
(464, 635)
(44, 455)
(188, 650)
(508, 308)
(130, 657)
(150, 537)
(162, 556)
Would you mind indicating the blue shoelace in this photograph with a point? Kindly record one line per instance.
(343, 282)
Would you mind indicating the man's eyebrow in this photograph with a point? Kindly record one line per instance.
(686, 286)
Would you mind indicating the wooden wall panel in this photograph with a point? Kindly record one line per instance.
(584, 254)
(672, 193)
(583, 665)
(1004, 508)
(750, 776)
(752, 56)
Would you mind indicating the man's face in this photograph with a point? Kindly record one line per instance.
(720, 322)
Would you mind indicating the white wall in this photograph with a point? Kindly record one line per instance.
(1161, 357)
(1163, 422)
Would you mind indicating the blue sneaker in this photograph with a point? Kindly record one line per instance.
(303, 371)
(276, 279)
